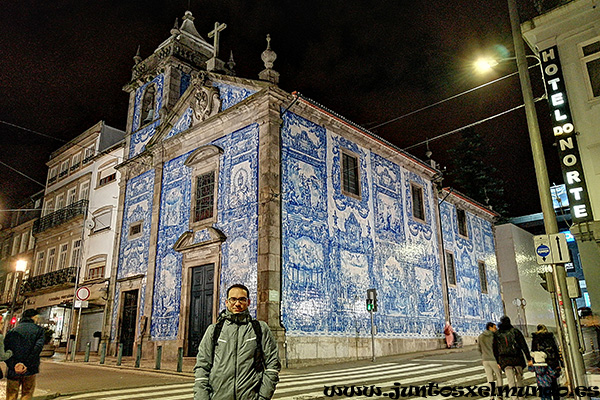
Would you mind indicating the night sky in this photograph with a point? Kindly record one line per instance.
(63, 65)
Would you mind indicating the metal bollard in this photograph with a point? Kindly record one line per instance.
(158, 356)
(86, 358)
(103, 353)
(180, 359)
(120, 354)
(138, 356)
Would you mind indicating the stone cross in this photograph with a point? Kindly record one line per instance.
(215, 33)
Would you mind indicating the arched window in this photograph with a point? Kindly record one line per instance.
(96, 266)
(148, 105)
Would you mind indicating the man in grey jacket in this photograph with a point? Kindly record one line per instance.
(485, 344)
(236, 367)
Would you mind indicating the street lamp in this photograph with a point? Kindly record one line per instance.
(20, 269)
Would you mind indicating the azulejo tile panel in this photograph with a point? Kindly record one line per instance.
(140, 139)
(184, 123)
(336, 246)
(134, 251)
(238, 209)
(470, 309)
(231, 95)
(175, 209)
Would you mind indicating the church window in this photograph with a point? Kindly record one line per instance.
(148, 105)
(461, 217)
(590, 58)
(135, 229)
(350, 174)
(418, 202)
(482, 277)
(205, 196)
(450, 269)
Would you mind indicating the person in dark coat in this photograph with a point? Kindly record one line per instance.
(548, 371)
(26, 341)
(511, 351)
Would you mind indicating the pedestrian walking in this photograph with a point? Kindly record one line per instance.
(237, 357)
(26, 341)
(4, 355)
(510, 352)
(547, 365)
(485, 345)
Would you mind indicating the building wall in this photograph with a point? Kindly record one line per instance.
(470, 307)
(519, 278)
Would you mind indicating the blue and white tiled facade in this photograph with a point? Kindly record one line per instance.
(141, 137)
(231, 95)
(134, 252)
(471, 309)
(335, 247)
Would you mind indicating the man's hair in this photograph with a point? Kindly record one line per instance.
(32, 312)
(239, 286)
(489, 325)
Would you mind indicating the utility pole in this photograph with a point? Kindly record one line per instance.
(573, 347)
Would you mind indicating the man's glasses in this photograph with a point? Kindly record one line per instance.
(234, 300)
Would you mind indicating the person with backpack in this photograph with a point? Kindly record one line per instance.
(510, 352)
(237, 357)
(548, 368)
(485, 344)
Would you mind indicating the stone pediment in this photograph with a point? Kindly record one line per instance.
(203, 237)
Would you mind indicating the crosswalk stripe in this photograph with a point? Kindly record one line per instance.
(396, 369)
(132, 390)
(346, 370)
(154, 394)
(342, 372)
(413, 371)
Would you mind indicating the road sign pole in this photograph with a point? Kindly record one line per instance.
(372, 336)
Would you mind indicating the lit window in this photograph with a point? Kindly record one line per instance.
(450, 268)
(461, 217)
(205, 196)
(590, 59)
(350, 175)
(418, 202)
(482, 277)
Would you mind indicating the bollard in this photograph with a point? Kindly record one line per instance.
(138, 356)
(103, 353)
(180, 359)
(120, 354)
(158, 356)
(86, 358)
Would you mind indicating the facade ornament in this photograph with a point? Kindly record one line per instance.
(231, 63)
(206, 101)
(214, 64)
(269, 56)
(137, 58)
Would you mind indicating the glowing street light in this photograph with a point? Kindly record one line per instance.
(20, 269)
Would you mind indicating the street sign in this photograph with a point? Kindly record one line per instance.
(81, 304)
(551, 249)
(83, 293)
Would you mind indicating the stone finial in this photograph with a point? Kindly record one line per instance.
(137, 58)
(269, 56)
(188, 16)
(175, 29)
(231, 63)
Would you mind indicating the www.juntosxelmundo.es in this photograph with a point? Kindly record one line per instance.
(433, 389)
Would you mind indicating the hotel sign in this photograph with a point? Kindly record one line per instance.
(565, 134)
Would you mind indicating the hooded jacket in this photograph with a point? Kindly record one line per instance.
(510, 346)
(26, 341)
(231, 375)
(485, 345)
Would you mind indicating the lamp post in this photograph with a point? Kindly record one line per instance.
(573, 348)
(20, 269)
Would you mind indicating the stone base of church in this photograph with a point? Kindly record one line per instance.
(311, 350)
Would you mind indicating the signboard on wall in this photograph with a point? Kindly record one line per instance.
(566, 136)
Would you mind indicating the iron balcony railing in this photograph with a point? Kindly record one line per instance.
(63, 277)
(61, 216)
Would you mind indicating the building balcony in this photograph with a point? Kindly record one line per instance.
(61, 279)
(61, 216)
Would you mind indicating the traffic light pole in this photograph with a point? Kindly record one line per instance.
(372, 336)
(566, 309)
